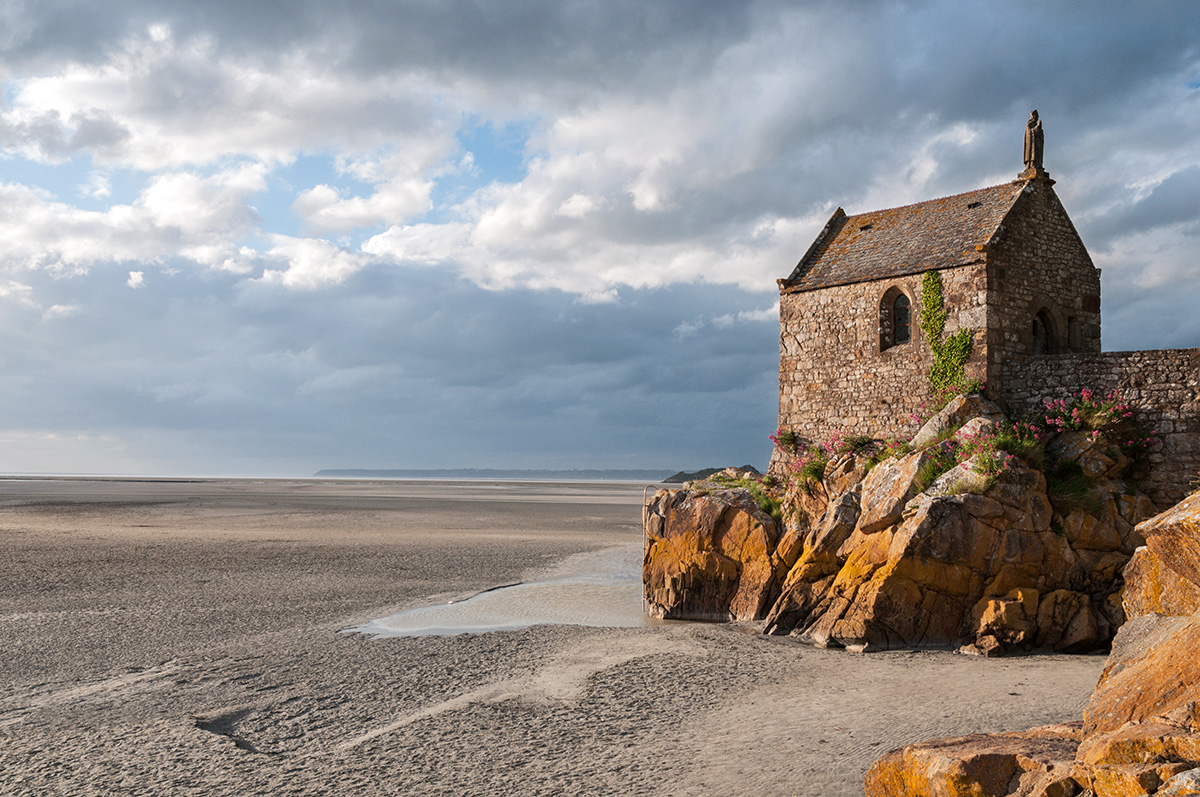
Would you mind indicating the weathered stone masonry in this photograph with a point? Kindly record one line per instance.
(832, 372)
(1038, 267)
(1163, 387)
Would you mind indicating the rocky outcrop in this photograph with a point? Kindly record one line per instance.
(1039, 761)
(883, 555)
(992, 572)
(952, 569)
(709, 555)
(1140, 733)
(1152, 587)
(888, 489)
(956, 414)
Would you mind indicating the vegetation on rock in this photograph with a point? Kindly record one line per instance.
(753, 482)
(688, 476)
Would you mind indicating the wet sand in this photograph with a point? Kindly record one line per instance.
(187, 637)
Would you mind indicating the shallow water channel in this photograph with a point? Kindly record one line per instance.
(600, 588)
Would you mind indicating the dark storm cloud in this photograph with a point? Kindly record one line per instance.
(546, 40)
(1176, 200)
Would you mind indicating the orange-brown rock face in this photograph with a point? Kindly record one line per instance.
(991, 573)
(886, 490)
(985, 571)
(709, 556)
(1174, 537)
(1038, 762)
(1142, 723)
(891, 557)
(1153, 671)
(1141, 729)
(1152, 587)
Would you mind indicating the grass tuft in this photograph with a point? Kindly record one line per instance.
(1069, 488)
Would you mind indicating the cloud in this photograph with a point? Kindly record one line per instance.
(98, 186)
(154, 101)
(311, 263)
(325, 210)
(681, 163)
(236, 365)
(176, 212)
(60, 311)
(18, 292)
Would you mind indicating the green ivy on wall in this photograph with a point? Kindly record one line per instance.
(949, 355)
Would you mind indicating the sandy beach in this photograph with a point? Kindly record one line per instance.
(188, 637)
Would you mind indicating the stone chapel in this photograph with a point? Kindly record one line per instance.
(1014, 272)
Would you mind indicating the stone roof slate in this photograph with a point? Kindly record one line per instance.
(936, 234)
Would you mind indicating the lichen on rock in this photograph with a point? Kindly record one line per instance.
(709, 555)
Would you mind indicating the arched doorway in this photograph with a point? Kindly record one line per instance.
(1045, 338)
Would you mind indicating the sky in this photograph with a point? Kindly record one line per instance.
(267, 238)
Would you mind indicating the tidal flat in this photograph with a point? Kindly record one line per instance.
(191, 637)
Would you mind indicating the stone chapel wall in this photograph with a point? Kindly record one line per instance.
(832, 373)
(1163, 386)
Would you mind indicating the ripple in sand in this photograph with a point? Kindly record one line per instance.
(602, 589)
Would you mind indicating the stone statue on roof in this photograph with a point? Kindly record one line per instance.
(1034, 143)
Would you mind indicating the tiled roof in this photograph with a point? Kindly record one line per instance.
(889, 243)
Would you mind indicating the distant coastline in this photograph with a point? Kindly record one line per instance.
(496, 473)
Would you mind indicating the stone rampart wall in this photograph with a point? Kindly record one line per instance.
(1163, 386)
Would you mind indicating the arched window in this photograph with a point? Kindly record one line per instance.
(1045, 340)
(895, 319)
(902, 319)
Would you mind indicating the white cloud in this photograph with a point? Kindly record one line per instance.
(159, 32)
(688, 328)
(311, 263)
(1161, 260)
(222, 256)
(200, 207)
(324, 209)
(403, 178)
(176, 212)
(766, 315)
(60, 311)
(576, 206)
(98, 186)
(515, 237)
(18, 292)
(721, 175)
(159, 102)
